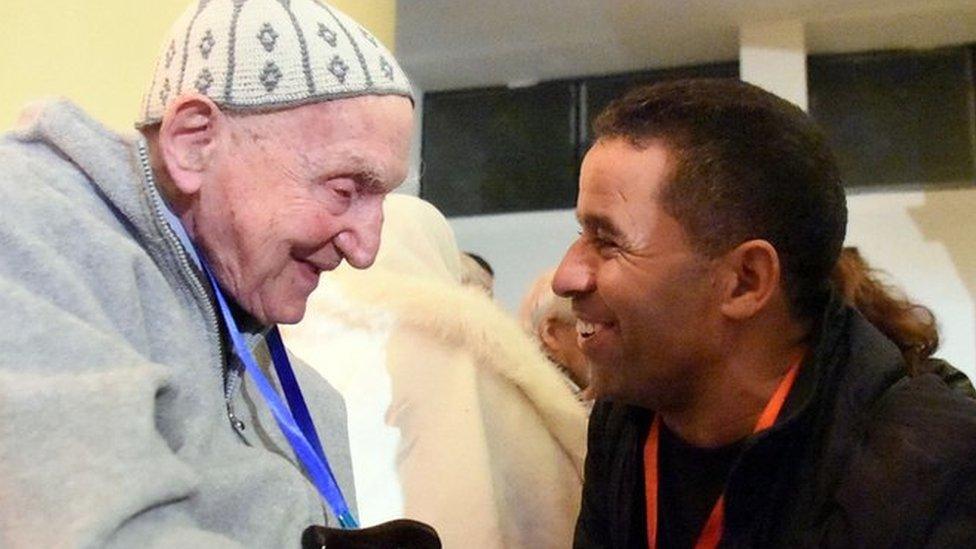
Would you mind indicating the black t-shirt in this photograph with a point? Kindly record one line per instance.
(691, 481)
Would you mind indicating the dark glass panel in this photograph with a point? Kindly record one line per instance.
(897, 117)
(500, 150)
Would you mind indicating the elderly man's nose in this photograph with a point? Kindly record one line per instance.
(361, 240)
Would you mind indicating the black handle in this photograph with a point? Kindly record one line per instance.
(395, 534)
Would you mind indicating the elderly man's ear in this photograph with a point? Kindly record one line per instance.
(751, 279)
(188, 139)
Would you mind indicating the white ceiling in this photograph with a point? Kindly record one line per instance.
(446, 44)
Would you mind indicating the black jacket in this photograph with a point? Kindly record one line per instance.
(861, 456)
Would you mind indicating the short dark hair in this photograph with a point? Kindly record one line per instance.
(745, 165)
(481, 262)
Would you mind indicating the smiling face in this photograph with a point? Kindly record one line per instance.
(646, 301)
(291, 194)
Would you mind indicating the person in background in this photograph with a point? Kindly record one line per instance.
(455, 416)
(549, 319)
(477, 272)
(143, 276)
(741, 401)
(911, 326)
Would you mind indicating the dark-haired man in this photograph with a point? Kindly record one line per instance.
(742, 403)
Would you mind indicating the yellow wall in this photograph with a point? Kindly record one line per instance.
(100, 53)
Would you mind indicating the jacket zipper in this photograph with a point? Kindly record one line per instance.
(232, 375)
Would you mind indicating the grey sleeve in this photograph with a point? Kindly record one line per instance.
(81, 460)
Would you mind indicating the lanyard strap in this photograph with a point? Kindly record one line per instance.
(301, 436)
(711, 534)
(293, 393)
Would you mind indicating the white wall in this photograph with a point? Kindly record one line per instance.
(773, 56)
(519, 246)
(923, 239)
(411, 185)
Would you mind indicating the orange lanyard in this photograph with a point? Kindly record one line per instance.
(712, 532)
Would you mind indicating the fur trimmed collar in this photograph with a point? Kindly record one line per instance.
(464, 317)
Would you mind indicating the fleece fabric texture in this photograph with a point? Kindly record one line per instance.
(476, 431)
(114, 429)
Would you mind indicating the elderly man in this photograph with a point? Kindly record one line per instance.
(742, 404)
(141, 277)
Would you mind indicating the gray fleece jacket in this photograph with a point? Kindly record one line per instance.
(114, 383)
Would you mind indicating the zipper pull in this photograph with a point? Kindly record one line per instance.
(235, 421)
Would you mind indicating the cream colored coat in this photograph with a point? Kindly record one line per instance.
(455, 418)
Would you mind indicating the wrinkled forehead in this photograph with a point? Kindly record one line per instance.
(381, 115)
(368, 137)
(619, 172)
(621, 186)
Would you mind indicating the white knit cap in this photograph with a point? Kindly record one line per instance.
(269, 54)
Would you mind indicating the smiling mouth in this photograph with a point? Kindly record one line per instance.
(318, 269)
(587, 330)
(315, 269)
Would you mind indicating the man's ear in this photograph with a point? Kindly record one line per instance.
(547, 333)
(753, 270)
(188, 140)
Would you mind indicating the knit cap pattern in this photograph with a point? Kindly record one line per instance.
(260, 55)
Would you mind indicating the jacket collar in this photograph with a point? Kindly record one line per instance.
(113, 166)
(848, 354)
(108, 159)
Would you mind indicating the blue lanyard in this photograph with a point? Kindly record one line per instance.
(296, 423)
